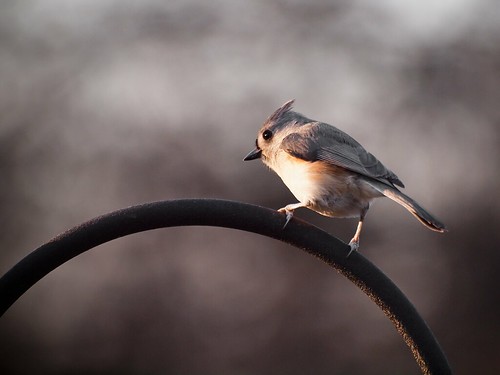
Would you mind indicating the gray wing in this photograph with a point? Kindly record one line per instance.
(320, 141)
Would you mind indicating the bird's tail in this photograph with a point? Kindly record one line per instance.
(415, 209)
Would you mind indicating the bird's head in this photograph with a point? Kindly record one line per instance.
(280, 124)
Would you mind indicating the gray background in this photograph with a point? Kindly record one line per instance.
(106, 104)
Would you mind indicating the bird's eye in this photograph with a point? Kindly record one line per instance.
(267, 134)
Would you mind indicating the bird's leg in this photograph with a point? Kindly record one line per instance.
(288, 210)
(354, 243)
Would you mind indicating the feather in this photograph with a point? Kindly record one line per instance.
(318, 141)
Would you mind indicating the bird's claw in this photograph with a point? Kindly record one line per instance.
(289, 215)
(354, 245)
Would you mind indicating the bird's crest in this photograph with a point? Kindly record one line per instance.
(280, 111)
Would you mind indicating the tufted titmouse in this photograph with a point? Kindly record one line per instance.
(327, 170)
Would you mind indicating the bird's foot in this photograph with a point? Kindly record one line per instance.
(289, 209)
(354, 244)
(289, 215)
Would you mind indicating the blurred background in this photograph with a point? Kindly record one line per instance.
(107, 104)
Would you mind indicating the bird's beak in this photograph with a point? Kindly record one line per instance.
(256, 153)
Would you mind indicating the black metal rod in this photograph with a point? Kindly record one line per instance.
(236, 215)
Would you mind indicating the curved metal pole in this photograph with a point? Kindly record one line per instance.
(236, 215)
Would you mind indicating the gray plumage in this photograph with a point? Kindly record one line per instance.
(324, 142)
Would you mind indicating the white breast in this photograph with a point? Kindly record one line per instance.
(330, 192)
(296, 174)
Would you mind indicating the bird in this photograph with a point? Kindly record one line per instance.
(328, 171)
